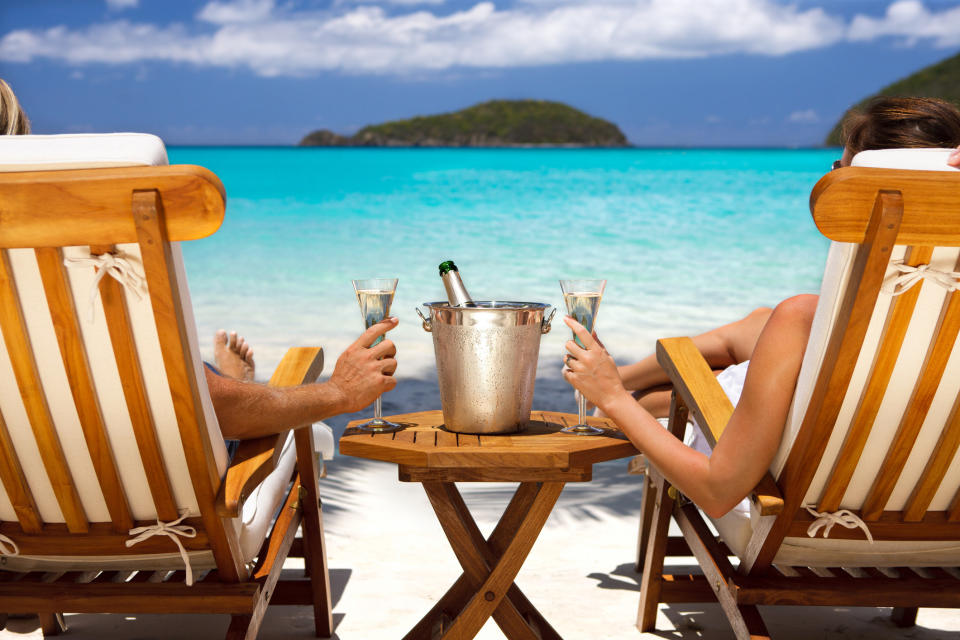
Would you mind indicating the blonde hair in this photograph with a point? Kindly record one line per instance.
(13, 121)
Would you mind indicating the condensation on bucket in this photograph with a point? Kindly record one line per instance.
(486, 364)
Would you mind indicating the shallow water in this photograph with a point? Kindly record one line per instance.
(687, 239)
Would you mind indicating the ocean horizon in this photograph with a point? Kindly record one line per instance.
(686, 238)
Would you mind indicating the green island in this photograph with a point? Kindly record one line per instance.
(497, 123)
(939, 80)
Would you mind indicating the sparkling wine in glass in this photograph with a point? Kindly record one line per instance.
(375, 295)
(583, 302)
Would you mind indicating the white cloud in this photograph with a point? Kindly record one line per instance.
(118, 5)
(911, 20)
(806, 116)
(397, 2)
(242, 11)
(275, 40)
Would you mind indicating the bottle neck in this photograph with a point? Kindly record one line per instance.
(457, 294)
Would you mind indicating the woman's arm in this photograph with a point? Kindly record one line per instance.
(721, 347)
(750, 440)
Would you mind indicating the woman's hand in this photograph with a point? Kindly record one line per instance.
(954, 158)
(591, 371)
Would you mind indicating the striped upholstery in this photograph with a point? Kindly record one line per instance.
(736, 528)
(37, 153)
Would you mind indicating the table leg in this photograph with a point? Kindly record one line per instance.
(486, 588)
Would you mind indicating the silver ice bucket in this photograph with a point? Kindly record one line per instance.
(486, 362)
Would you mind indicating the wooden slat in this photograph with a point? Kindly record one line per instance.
(744, 618)
(15, 483)
(426, 439)
(888, 350)
(855, 592)
(694, 381)
(66, 325)
(446, 438)
(952, 428)
(948, 327)
(82, 207)
(135, 393)
(468, 440)
(24, 364)
(931, 209)
(147, 597)
(839, 359)
(101, 540)
(890, 525)
(657, 534)
(271, 557)
(701, 392)
(148, 214)
(315, 546)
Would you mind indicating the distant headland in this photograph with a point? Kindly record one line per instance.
(939, 80)
(497, 123)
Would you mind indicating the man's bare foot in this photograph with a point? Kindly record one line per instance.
(233, 355)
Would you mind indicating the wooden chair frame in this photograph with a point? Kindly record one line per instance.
(876, 208)
(151, 206)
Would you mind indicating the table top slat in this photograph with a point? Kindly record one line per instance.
(536, 450)
(446, 438)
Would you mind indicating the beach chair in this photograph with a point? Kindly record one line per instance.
(117, 492)
(861, 505)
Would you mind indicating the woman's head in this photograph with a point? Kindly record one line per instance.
(901, 123)
(13, 121)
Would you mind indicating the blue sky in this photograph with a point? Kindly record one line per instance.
(668, 72)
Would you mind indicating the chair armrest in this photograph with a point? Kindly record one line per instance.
(697, 386)
(256, 459)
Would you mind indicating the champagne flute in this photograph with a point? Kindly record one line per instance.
(375, 295)
(583, 301)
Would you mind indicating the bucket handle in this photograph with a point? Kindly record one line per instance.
(545, 325)
(426, 321)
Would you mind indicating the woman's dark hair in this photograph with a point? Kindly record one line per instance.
(900, 123)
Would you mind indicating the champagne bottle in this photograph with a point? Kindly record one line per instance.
(456, 293)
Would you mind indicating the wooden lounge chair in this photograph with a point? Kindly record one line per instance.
(117, 493)
(872, 435)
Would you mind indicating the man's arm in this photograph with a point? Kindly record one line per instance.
(249, 410)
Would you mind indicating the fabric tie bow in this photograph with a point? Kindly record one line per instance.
(844, 518)
(117, 266)
(910, 276)
(172, 530)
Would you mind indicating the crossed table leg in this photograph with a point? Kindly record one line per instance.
(489, 566)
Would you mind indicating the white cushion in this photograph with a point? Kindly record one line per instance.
(81, 151)
(736, 527)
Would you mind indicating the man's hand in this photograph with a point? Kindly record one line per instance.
(362, 372)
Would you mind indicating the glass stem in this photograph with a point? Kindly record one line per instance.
(377, 410)
(582, 410)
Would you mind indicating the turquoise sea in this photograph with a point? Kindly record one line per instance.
(687, 239)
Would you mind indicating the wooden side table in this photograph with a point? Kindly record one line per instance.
(540, 458)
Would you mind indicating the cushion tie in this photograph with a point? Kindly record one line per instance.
(171, 530)
(910, 276)
(843, 517)
(11, 550)
(114, 264)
